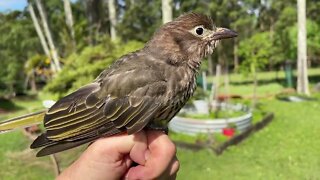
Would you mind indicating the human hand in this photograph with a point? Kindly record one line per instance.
(112, 157)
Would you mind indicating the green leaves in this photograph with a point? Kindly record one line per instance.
(256, 51)
(84, 67)
(140, 20)
(17, 41)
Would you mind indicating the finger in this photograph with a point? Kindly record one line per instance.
(175, 165)
(161, 153)
(137, 153)
(171, 172)
(106, 157)
(113, 147)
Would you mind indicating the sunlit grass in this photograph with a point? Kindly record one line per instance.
(17, 161)
(22, 106)
(286, 149)
(269, 83)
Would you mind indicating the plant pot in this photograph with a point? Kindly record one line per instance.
(229, 132)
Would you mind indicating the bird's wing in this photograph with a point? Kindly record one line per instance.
(117, 102)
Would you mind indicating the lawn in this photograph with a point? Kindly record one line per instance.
(288, 148)
(17, 161)
(269, 83)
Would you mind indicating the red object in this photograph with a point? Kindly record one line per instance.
(229, 132)
(224, 97)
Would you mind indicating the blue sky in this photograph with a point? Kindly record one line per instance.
(9, 5)
(6, 5)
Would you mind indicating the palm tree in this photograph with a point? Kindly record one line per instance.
(41, 36)
(302, 82)
(113, 19)
(166, 11)
(48, 34)
(69, 20)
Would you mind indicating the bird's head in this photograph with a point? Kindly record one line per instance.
(190, 37)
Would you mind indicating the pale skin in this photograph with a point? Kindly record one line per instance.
(112, 157)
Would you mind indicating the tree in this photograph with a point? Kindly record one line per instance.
(18, 42)
(46, 28)
(166, 11)
(41, 36)
(302, 81)
(83, 67)
(92, 12)
(139, 20)
(113, 19)
(69, 20)
(256, 52)
(36, 67)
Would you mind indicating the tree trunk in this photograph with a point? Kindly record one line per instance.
(33, 83)
(132, 3)
(210, 65)
(216, 91)
(69, 21)
(113, 19)
(255, 86)
(41, 36)
(302, 81)
(166, 11)
(271, 35)
(90, 17)
(48, 35)
(226, 83)
(235, 56)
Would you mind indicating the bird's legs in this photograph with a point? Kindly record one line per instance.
(157, 127)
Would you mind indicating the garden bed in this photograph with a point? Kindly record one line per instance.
(217, 142)
(240, 116)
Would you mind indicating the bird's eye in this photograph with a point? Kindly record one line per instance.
(199, 30)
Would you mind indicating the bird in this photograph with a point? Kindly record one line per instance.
(144, 89)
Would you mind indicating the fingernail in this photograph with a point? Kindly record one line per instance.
(147, 155)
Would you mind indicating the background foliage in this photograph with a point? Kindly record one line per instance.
(82, 68)
(267, 36)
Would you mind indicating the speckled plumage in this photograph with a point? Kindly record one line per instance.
(141, 89)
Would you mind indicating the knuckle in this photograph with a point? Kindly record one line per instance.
(171, 148)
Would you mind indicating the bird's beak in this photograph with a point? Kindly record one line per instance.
(223, 33)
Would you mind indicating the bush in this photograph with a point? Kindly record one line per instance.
(82, 68)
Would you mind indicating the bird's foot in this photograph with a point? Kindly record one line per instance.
(164, 129)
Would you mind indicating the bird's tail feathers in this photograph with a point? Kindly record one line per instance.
(22, 121)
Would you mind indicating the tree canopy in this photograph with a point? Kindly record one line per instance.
(267, 36)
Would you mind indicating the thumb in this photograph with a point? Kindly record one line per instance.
(106, 158)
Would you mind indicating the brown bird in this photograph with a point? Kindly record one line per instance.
(143, 89)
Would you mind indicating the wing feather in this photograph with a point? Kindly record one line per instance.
(121, 112)
(114, 103)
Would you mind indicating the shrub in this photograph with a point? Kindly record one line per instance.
(82, 68)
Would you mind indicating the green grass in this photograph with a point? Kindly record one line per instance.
(20, 106)
(286, 149)
(270, 83)
(266, 76)
(17, 161)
